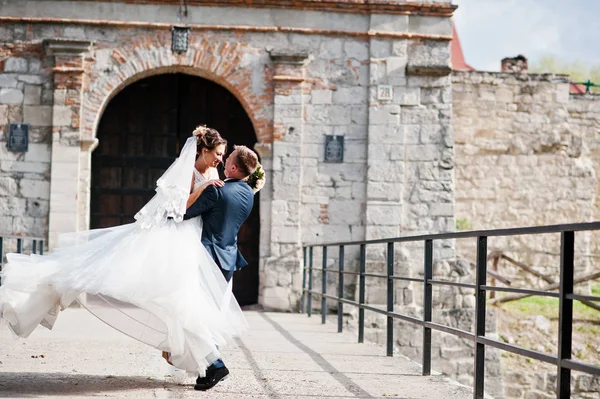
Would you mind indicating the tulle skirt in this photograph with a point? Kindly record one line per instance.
(158, 285)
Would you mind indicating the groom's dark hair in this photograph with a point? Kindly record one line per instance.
(246, 159)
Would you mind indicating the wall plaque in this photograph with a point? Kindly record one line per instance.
(334, 148)
(385, 92)
(18, 137)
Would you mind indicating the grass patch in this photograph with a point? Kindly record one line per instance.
(548, 307)
(595, 289)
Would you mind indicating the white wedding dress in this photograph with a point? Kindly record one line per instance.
(157, 282)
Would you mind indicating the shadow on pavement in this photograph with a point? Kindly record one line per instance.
(31, 385)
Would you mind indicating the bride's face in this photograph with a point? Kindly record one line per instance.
(215, 156)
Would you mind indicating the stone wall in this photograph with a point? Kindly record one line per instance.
(526, 155)
(298, 78)
(26, 96)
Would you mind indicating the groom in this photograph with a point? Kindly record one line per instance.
(224, 210)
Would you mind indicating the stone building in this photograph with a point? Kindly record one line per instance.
(108, 104)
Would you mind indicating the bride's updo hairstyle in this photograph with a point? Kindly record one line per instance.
(207, 137)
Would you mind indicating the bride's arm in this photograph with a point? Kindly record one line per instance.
(196, 194)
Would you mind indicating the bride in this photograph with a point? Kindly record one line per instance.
(157, 282)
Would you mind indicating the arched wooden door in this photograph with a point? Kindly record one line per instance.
(140, 134)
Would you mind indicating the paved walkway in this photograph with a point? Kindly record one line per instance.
(282, 356)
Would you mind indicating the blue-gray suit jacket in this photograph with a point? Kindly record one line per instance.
(223, 210)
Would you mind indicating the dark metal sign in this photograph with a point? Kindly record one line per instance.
(179, 39)
(334, 148)
(18, 137)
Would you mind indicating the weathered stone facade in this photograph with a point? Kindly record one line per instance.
(301, 71)
(526, 155)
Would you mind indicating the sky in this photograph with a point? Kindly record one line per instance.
(490, 30)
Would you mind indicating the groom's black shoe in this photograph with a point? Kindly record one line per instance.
(213, 377)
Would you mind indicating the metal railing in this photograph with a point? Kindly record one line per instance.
(565, 364)
(21, 246)
(588, 85)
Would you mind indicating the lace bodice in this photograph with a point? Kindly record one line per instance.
(199, 179)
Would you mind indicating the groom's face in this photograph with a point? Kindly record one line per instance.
(230, 164)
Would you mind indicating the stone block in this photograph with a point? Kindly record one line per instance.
(357, 50)
(38, 208)
(291, 99)
(419, 116)
(384, 115)
(75, 32)
(389, 23)
(409, 96)
(8, 80)
(381, 48)
(62, 115)
(11, 96)
(350, 95)
(396, 66)
(35, 66)
(285, 234)
(33, 79)
(360, 114)
(11, 206)
(422, 152)
(384, 191)
(344, 211)
(430, 25)
(3, 114)
(38, 152)
(384, 215)
(329, 115)
(37, 115)
(15, 64)
(332, 48)
(33, 95)
(34, 188)
(60, 96)
(400, 48)
(321, 96)
(276, 298)
(8, 187)
(387, 134)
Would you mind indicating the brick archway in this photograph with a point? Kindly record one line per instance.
(223, 62)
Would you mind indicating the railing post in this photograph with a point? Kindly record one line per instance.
(480, 280)
(303, 299)
(565, 316)
(341, 290)
(390, 298)
(324, 287)
(361, 294)
(427, 306)
(310, 280)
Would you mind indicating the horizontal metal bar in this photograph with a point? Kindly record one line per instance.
(585, 368)
(417, 280)
(451, 283)
(375, 275)
(338, 271)
(518, 350)
(583, 297)
(406, 318)
(520, 291)
(449, 330)
(557, 228)
(374, 309)
(571, 364)
(21, 237)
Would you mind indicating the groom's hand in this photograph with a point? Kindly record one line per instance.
(205, 202)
